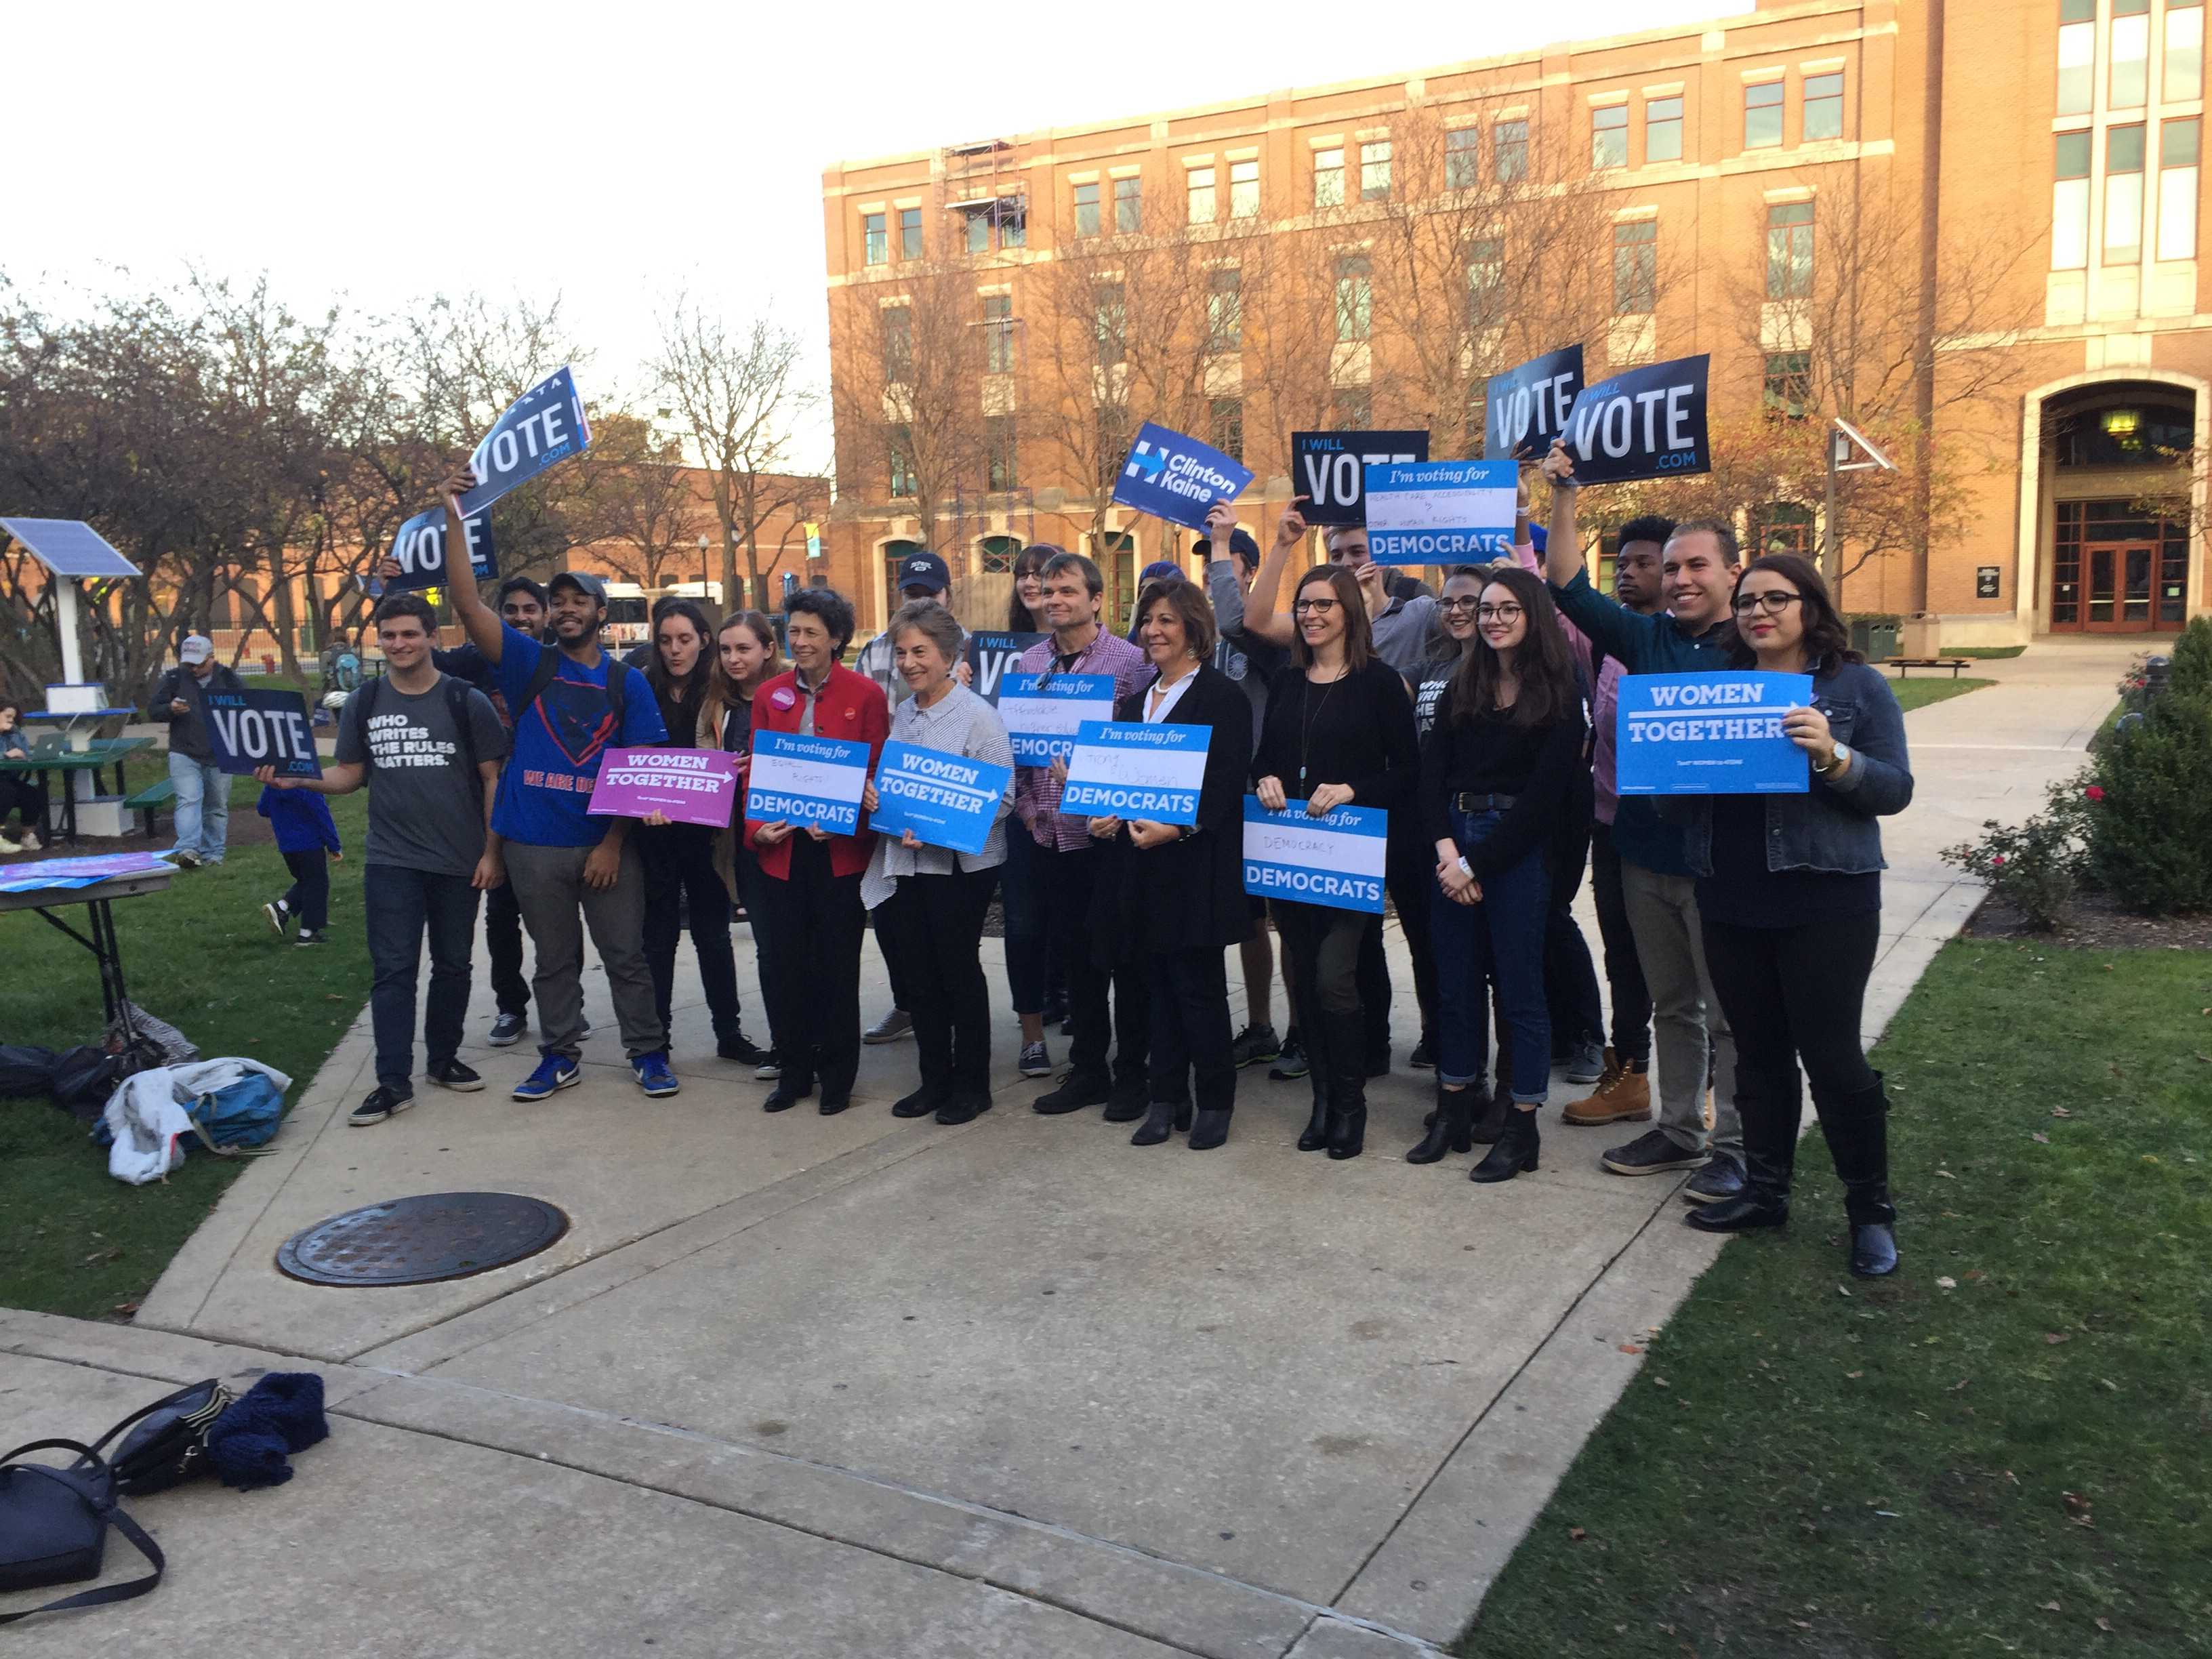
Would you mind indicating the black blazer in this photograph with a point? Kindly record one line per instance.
(1188, 894)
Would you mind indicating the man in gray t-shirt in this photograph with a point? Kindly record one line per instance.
(429, 747)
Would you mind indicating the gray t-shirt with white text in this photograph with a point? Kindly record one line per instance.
(425, 800)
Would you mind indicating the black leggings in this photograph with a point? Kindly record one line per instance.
(1792, 993)
(680, 883)
(309, 896)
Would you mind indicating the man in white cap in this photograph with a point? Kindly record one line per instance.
(179, 699)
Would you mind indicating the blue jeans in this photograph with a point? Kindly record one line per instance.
(398, 906)
(1500, 941)
(203, 806)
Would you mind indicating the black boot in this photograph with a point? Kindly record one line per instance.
(1347, 1088)
(1316, 1053)
(1162, 1118)
(1489, 1122)
(1450, 1126)
(1857, 1126)
(1211, 1130)
(1770, 1158)
(1516, 1150)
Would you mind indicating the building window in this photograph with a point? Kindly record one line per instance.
(1462, 157)
(909, 232)
(1128, 206)
(1225, 310)
(1512, 151)
(2124, 195)
(1823, 107)
(898, 344)
(1200, 184)
(2077, 56)
(1374, 171)
(1355, 298)
(1329, 178)
(1087, 210)
(1635, 267)
(1662, 130)
(999, 448)
(1014, 226)
(1227, 433)
(1762, 115)
(2069, 203)
(2129, 46)
(1790, 251)
(999, 333)
(979, 233)
(901, 467)
(1243, 189)
(1608, 136)
(1110, 323)
(1486, 282)
(879, 243)
(1789, 385)
(2177, 189)
(1783, 527)
(2184, 50)
(1351, 408)
(995, 555)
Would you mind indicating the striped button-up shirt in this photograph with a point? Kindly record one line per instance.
(1036, 796)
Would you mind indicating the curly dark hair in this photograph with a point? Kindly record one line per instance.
(1542, 662)
(832, 608)
(1827, 642)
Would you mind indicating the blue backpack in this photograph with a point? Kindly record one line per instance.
(236, 1119)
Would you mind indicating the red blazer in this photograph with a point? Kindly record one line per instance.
(850, 706)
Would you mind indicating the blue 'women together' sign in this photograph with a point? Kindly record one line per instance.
(1710, 734)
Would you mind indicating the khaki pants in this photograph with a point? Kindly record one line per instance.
(1689, 1032)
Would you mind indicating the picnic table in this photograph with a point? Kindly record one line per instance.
(95, 883)
(94, 758)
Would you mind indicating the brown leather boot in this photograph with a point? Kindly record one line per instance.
(1621, 1096)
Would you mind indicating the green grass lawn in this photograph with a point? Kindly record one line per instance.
(74, 1240)
(2007, 1448)
(1918, 694)
(1985, 653)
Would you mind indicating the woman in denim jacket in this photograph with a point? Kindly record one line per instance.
(1789, 895)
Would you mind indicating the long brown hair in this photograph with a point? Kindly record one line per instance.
(693, 686)
(723, 693)
(1019, 619)
(1542, 662)
(1827, 642)
(1358, 632)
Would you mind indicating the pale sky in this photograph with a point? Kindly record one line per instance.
(613, 153)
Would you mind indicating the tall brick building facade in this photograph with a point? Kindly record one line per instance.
(1970, 225)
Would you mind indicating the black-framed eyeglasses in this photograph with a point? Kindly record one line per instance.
(1315, 607)
(1774, 601)
(1465, 602)
(1499, 613)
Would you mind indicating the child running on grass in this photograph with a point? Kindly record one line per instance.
(305, 832)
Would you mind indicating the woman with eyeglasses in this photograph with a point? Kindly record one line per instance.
(1497, 774)
(1338, 732)
(1789, 900)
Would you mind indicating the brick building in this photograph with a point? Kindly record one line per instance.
(1969, 225)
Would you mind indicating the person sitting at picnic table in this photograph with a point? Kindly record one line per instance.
(24, 793)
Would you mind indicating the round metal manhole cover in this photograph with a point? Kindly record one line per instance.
(419, 1241)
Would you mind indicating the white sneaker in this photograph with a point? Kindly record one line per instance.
(279, 916)
(8, 845)
(30, 842)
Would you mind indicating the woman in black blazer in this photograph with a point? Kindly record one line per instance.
(1175, 899)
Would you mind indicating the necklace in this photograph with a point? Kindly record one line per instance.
(1308, 714)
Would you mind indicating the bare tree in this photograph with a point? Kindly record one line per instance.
(630, 499)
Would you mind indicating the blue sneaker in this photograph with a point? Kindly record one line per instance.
(554, 1073)
(653, 1074)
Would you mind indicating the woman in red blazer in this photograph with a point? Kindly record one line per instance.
(813, 890)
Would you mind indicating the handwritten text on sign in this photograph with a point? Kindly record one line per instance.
(687, 786)
(1043, 711)
(947, 800)
(806, 780)
(1336, 860)
(1710, 734)
(1127, 769)
(1441, 512)
(248, 730)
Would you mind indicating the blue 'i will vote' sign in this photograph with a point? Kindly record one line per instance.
(1710, 734)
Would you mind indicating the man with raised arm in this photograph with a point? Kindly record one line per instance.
(571, 702)
(1694, 632)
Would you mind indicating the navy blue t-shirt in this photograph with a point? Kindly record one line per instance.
(558, 740)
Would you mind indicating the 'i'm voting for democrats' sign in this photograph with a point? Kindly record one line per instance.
(248, 730)
(1042, 712)
(1177, 478)
(1128, 769)
(802, 781)
(1336, 860)
(544, 426)
(946, 799)
(1710, 734)
(1441, 512)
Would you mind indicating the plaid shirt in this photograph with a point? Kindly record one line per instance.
(1036, 797)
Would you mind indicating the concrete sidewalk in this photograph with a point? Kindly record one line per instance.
(795, 1386)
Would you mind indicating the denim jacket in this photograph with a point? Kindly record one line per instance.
(1832, 827)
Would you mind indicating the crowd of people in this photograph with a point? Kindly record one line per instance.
(1737, 932)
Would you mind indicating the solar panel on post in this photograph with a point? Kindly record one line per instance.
(68, 547)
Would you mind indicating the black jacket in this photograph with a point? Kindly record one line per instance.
(1188, 894)
(188, 732)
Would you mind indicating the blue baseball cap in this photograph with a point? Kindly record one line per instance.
(924, 570)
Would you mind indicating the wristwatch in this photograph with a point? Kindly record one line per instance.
(1838, 762)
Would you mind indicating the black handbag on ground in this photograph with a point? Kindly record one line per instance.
(53, 1527)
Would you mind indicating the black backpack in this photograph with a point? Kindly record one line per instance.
(549, 670)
